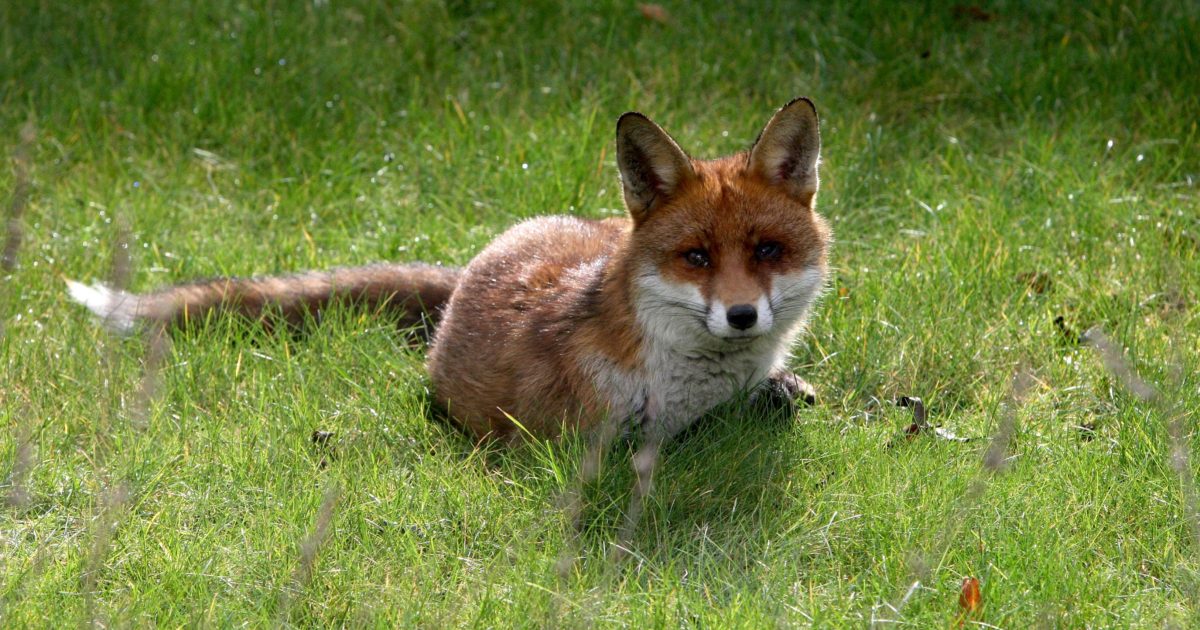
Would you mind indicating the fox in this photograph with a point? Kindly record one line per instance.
(645, 321)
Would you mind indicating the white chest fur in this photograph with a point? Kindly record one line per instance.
(673, 387)
(683, 385)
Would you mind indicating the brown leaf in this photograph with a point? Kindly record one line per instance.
(920, 424)
(1066, 332)
(324, 445)
(918, 407)
(843, 292)
(970, 13)
(969, 597)
(1037, 282)
(654, 12)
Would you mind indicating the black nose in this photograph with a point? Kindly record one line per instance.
(741, 316)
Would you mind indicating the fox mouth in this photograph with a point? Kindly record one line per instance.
(737, 336)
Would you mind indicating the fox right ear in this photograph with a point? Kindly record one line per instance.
(652, 165)
(788, 149)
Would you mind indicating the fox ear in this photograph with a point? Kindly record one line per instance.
(787, 150)
(652, 164)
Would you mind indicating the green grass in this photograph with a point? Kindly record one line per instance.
(960, 156)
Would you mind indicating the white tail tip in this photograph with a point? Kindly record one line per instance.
(116, 309)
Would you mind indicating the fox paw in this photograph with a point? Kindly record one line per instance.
(784, 390)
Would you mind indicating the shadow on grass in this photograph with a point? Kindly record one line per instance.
(718, 493)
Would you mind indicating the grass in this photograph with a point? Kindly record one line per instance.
(983, 177)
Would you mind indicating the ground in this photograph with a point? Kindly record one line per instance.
(1001, 178)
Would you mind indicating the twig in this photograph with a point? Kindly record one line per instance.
(14, 229)
(309, 548)
(20, 199)
(18, 496)
(158, 345)
(112, 501)
(572, 502)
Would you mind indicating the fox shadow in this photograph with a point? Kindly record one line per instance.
(721, 482)
(719, 490)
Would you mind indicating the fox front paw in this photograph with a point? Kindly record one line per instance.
(784, 390)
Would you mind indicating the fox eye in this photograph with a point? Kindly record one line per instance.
(769, 250)
(696, 258)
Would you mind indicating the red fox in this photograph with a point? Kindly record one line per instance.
(649, 320)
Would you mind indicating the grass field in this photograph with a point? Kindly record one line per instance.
(986, 170)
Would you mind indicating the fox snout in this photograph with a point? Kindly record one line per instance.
(741, 320)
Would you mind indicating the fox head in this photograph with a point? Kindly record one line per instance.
(728, 250)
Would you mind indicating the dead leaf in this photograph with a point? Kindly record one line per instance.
(969, 597)
(1066, 332)
(1037, 282)
(843, 292)
(970, 13)
(920, 424)
(654, 13)
(918, 407)
(323, 443)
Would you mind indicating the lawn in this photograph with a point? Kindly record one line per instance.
(1000, 179)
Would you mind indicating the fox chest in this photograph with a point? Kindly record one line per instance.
(672, 390)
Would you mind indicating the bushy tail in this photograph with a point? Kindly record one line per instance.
(417, 292)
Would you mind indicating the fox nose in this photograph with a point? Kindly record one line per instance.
(742, 316)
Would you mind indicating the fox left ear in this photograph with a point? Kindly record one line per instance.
(787, 150)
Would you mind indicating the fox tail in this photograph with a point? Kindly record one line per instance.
(417, 292)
